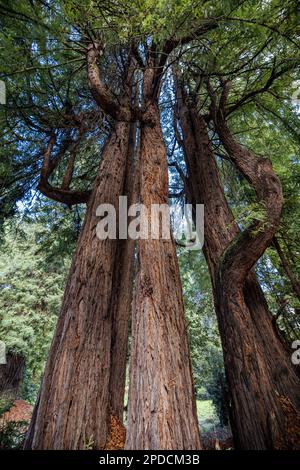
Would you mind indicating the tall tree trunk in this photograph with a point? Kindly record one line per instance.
(162, 407)
(11, 376)
(121, 310)
(263, 385)
(74, 405)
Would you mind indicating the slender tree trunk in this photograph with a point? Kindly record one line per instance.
(11, 376)
(162, 407)
(263, 386)
(287, 268)
(73, 409)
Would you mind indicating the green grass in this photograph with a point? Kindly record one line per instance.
(207, 414)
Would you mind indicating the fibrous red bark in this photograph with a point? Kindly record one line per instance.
(162, 407)
(262, 382)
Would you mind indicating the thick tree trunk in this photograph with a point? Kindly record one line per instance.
(263, 385)
(74, 405)
(162, 407)
(11, 376)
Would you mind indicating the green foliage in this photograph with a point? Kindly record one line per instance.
(5, 404)
(206, 351)
(135, 19)
(207, 415)
(31, 292)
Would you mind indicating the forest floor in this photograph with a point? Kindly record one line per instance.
(20, 411)
(213, 436)
(14, 424)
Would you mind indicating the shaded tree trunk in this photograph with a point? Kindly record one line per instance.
(74, 405)
(11, 375)
(162, 407)
(287, 268)
(263, 386)
(121, 307)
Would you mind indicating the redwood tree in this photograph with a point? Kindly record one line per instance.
(251, 346)
(162, 407)
(80, 388)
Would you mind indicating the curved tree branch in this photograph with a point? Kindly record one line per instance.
(100, 92)
(287, 268)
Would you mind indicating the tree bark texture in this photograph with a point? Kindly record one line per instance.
(263, 386)
(122, 296)
(162, 407)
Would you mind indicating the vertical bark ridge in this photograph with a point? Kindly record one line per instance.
(73, 406)
(121, 311)
(162, 407)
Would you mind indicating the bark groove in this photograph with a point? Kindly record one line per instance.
(162, 407)
(258, 369)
